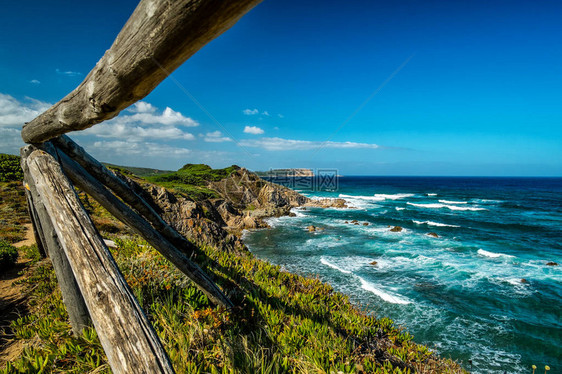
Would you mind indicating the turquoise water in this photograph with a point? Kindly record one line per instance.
(481, 293)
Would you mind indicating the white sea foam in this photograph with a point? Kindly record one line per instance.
(398, 208)
(431, 194)
(333, 266)
(482, 252)
(431, 223)
(396, 196)
(394, 299)
(451, 207)
(360, 197)
(452, 202)
(298, 212)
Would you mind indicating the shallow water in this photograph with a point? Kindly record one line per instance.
(481, 291)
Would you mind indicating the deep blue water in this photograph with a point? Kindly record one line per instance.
(481, 291)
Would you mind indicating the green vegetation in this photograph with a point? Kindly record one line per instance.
(139, 172)
(13, 212)
(193, 180)
(10, 169)
(8, 255)
(283, 322)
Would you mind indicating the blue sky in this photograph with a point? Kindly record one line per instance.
(365, 87)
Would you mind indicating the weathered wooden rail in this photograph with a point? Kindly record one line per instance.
(158, 37)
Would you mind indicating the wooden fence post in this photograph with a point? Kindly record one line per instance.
(127, 337)
(77, 310)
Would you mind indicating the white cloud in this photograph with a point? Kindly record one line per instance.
(34, 81)
(280, 115)
(250, 112)
(145, 123)
(253, 130)
(14, 113)
(68, 73)
(265, 113)
(216, 137)
(110, 129)
(280, 144)
(146, 113)
(146, 149)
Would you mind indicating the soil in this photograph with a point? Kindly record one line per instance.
(12, 302)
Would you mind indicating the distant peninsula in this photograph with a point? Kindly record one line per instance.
(299, 172)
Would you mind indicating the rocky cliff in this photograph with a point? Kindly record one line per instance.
(245, 201)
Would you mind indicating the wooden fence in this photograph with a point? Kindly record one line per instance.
(158, 37)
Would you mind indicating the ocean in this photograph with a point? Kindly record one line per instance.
(480, 292)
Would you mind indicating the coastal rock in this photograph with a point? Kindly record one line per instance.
(291, 214)
(327, 203)
(374, 263)
(355, 221)
(396, 229)
(523, 280)
(311, 228)
(551, 263)
(365, 223)
(433, 234)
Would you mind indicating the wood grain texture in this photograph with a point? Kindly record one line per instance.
(121, 189)
(125, 214)
(129, 341)
(158, 37)
(71, 295)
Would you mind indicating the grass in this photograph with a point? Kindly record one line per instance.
(13, 212)
(283, 323)
(193, 180)
(8, 255)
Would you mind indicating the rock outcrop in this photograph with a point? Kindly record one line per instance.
(245, 202)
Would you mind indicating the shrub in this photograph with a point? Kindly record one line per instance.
(10, 169)
(8, 255)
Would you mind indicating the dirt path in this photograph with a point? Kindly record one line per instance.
(12, 296)
(29, 237)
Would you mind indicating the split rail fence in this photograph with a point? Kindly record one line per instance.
(158, 37)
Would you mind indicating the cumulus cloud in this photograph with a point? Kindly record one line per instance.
(253, 130)
(280, 144)
(68, 73)
(146, 113)
(250, 112)
(145, 122)
(34, 81)
(14, 113)
(216, 137)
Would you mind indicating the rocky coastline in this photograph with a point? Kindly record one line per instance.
(245, 202)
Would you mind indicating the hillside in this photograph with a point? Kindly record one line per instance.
(282, 322)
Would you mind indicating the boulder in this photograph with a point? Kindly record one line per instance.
(365, 223)
(355, 221)
(433, 234)
(523, 280)
(396, 229)
(311, 228)
(374, 263)
(551, 263)
(346, 221)
(291, 214)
